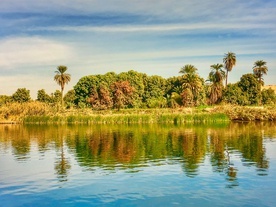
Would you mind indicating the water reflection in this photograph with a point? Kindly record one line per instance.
(135, 147)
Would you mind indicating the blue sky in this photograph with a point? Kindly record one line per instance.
(156, 37)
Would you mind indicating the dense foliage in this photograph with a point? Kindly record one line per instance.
(138, 90)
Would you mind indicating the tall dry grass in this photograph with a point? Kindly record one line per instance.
(18, 111)
(248, 113)
(37, 112)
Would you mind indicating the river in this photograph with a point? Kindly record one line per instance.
(138, 165)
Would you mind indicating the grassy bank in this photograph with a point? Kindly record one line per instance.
(36, 112)
(129, 118)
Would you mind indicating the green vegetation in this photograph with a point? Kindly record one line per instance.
(62, 78)
(123, 97)
(259, 70)
(229, 62)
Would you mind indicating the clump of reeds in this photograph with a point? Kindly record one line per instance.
(18, 111)
(129, 118)
(248, 113)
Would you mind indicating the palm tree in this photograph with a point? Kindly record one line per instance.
(61, 78)
(229, 62)
(192, 82)
(216, 76)
(188, 69)
(259, 69)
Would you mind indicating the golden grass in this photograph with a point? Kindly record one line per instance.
(37, 112)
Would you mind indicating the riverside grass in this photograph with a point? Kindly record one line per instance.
(129, 119)
(40, 113)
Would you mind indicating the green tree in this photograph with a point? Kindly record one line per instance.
(188, 69)
(62, 78)
(42, 96)
(260, 69)
(268, 96)
(136, 80)
(229, 62)
(216, 76)
(21, 95)
(154, 91)
(56, 97)
(69, 98)
(4, 99)
(251, 88)
(234, 95)
(192, 85)
(83, 89)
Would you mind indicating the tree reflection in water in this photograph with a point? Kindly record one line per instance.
(134, 147)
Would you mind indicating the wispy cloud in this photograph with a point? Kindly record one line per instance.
(156, 37)
(158, 28)
(30, 51)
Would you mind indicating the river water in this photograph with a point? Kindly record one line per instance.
(138, 165)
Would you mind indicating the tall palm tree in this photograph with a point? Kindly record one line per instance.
(216, 76)
(62, 78)
(259, 69)
(191, 84)
(229, 62)
(188, 69)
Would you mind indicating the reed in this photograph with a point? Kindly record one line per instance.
(248, 113)
(129, 118)
(36, 112)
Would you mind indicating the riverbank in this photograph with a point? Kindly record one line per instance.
(44, 114)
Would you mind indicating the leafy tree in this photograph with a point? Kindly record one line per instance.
(174, 84)
(42, 96)
(268, 96)
(234, 95)
(100, 98)
(21, 95)
(69, 98)
(56, 97)
(251, 88)
(122, 92)
(260, 69)
(154, 91)
(62, 78)
(136, 80)
(229, 62)
(83, 89)
(4, 99)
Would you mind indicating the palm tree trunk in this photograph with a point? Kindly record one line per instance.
(61, 98)
(226, 78)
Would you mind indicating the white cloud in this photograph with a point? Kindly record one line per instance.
(31, 51)
(159, 28)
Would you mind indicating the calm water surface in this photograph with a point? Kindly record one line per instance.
(138, 165)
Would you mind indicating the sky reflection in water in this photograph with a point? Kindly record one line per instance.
(138, 165)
